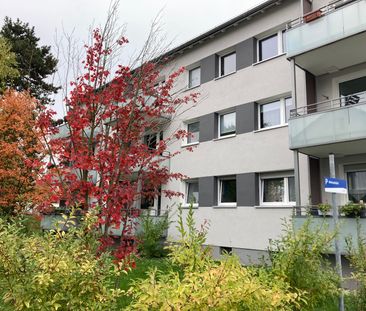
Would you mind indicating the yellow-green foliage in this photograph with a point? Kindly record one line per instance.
(357, 258)
(7, 63)
(57, 271)
(207, 284)
(298, 258)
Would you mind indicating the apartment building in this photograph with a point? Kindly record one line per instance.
(276, 85)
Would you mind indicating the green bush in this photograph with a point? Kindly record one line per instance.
(357, 258)
(206, 284)
(298, 258)
(151, 244)
(352, 209)
(56, 271)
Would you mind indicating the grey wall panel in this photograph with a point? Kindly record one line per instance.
(207, 191)
(247, 189)
(245, 53)
(208, 127)
(209, 68)
(246, 118)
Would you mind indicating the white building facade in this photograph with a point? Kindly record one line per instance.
(254, 160)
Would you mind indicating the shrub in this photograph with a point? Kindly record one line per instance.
(352, 209)
(150, 238)
(324, 208)
(357, 258)
(206, 284)
(298, 258)
(56, 271)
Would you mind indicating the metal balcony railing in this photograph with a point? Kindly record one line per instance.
(308, 210)
(323, 11)
(330, 105)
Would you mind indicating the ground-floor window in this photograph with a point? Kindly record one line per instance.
(277, 190)
(356, 186)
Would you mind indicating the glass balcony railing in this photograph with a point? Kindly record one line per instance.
(348, 229)
(338, 20)
(332, 121)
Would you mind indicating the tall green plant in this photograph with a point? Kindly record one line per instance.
(298, 258)
(151, 236)
(357, 258)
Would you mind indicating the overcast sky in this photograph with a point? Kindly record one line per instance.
(181, 20)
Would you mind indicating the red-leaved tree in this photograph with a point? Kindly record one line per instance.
(98, 158)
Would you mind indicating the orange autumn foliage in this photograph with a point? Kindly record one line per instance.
(20, 152)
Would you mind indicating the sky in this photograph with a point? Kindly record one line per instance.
(180, 20)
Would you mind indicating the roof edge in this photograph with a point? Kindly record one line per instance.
(221, 28)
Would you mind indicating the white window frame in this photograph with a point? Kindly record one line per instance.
(286, 194)
(219, 125)
(189, 77)
(186, 140)
(280, 49)
(186, 188)
(220, 65)
(283, 122)
(219, 188)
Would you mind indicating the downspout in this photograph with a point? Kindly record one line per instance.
(296, 153)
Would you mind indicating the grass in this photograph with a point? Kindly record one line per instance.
(143, 266)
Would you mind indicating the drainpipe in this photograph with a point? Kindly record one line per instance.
(302, 7)
(296, 153)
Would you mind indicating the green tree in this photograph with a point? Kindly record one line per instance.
(8, 64)
(35, 62)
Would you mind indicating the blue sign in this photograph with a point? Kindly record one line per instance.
(334, 185)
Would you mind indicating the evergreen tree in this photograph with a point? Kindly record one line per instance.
(34, 62)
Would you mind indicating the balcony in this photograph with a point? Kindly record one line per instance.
(334, 126)
(347, 227)
(329, 39)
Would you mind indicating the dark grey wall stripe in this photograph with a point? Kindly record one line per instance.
(246, 118)
(208, 127)
(208, 68)
(247, 189)
(207, 191)
(245, 53)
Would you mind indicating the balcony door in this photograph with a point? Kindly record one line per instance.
(353, 91)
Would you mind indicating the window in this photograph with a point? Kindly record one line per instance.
(275, 113)
(227, 191)
(194, 130)
(278, 190)
(227, 124)
(192, 192)
(155, 93)
(151, 141)
(270, 114)
(356, 186)
(194, 77)
(271, 46)
(226, 250)
(227, 64)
